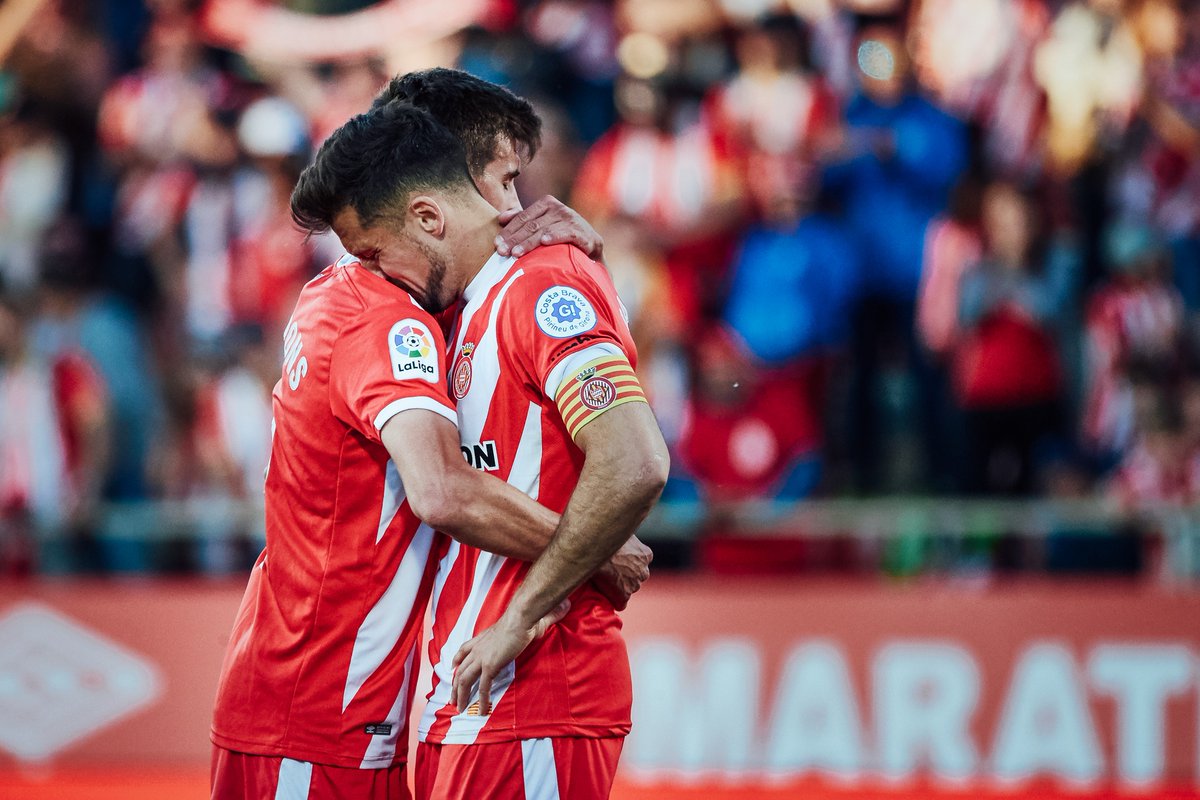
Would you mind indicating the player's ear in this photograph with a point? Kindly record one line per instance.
(426, 212)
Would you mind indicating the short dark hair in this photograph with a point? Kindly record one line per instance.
(374, 162)
(478, 112)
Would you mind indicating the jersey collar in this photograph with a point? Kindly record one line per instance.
(488, 276)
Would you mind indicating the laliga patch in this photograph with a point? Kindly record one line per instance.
(412, 351)
(562, 312)
(598, 393)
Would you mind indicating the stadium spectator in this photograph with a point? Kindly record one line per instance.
(1008, 369)
(1091, 70)
(898, 159)
(750, 433)
(1136, 317)
(953, 247)
(269, 260)
(34, 173)
(977, 58)
(774, 115)
(54, 438)
(673, 178)
(1160, 469)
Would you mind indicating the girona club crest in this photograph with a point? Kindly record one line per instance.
(597, 393)
(462, 378)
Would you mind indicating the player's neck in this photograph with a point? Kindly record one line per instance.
(479, 245)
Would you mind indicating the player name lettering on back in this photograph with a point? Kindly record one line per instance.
(295, 366)
(481, 455)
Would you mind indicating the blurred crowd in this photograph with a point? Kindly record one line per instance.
(868, 247)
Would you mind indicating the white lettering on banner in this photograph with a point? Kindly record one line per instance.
(698, 712)
(695, 717)
(925, 694)
(1141, 678)
(1045, 726)
(814, 722)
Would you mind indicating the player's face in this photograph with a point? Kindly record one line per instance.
(498, 180)
(388, 250)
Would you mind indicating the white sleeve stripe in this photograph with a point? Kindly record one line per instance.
(575, 361)
(404, 404)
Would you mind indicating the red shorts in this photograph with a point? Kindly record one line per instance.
(530, 769)
(240, 776)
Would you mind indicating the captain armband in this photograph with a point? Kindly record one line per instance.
(602, 383)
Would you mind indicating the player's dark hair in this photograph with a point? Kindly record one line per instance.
(375, 162)
(478, 112)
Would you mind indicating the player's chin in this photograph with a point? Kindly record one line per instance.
(434, 305)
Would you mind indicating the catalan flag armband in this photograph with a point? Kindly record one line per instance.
(603, 383)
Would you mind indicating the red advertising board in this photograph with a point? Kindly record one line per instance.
(743, 687)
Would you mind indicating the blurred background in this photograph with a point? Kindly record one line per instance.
(916, 291)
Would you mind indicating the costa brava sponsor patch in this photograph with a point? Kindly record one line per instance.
(562, 312)
(413, 353)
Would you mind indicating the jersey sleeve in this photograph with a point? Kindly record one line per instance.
(573, 343)
(389, 360)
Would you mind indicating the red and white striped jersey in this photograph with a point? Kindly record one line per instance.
(322, 663)
(541, 349)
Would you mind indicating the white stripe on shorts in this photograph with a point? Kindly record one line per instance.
(294, 779)
(541, 777)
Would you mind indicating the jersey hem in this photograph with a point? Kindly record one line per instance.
(304, 754)
(557, 730)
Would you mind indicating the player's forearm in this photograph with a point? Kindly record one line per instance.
(446, 493)
(489, 514)
(617, 488)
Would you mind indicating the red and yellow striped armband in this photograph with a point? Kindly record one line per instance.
(603, 383)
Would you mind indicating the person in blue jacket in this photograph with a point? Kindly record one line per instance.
(898, 160)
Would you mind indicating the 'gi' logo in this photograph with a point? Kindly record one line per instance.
(563, 312)
(412, 351)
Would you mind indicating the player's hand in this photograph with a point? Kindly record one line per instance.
(624, 573)
(481, 659)
(546, 221)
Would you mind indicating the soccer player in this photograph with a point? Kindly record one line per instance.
(320, 673)
(547, 400)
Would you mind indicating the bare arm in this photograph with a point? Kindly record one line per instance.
(475, 508)
(482, 511)
(624, 470)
